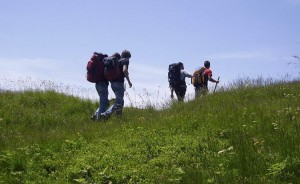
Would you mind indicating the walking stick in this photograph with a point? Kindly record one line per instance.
(216, 84)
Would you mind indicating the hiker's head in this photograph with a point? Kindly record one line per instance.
(126, 54)
(206, 64)
(181, 65)
(116, 55)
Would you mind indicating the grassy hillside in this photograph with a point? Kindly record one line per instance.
(245, 135)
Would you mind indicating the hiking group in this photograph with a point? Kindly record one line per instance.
(103, 69)
(199, 79)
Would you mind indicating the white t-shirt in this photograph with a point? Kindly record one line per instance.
(184, 74)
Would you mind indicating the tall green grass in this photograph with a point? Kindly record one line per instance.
(245, 134)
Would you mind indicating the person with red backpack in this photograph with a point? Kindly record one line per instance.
(117, 84)
(200, 79)
(95, 74)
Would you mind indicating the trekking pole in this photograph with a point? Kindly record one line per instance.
(216, 84)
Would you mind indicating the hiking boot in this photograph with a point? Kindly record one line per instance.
(104, 116)
(118, 109)
(94, 117)
(119, 112)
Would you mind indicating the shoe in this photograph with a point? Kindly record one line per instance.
(118, 109)
(104, 116)
(119, 112)
(94, 117)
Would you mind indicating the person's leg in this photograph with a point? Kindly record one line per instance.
(102, 89)
(203, 91)
(178, 92)
(197, 92)
(182, 91)
(118, 89)
(119, 102)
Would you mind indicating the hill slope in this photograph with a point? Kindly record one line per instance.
(247, 135)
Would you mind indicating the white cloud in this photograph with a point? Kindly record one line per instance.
(21, 74)
(15, 68)
(149, 83)
(148, 77)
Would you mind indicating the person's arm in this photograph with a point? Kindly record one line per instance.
(212, 80)
(208, 72)
(126, 73)
(186, 74)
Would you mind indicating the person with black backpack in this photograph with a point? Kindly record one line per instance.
(117, 83)
(176, 77)
(200, 79)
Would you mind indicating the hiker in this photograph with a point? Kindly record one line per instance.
(117, 85)
(179, 86)
(100, 81)
(200, 79)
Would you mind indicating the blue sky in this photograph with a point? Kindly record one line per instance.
(53, 40)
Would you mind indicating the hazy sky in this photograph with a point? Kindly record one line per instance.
(53, 40)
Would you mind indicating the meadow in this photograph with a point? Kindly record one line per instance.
(248, 133)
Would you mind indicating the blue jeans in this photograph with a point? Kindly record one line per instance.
(118, 89)
(102, 89)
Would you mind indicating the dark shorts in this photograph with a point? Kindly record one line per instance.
(180, 92)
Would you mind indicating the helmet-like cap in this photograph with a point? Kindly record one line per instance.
(116, 55)
(207, 64)
(126, 54)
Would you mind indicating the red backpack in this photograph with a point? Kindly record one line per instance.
(95, 68)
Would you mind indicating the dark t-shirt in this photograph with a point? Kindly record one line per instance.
(122, 62)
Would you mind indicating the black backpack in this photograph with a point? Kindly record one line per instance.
(174, 75)
(112, 69)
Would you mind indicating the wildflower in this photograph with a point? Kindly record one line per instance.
(275, 126)
(255, 141)
(142, 119)
(230, 148)
(222, 151)
(225, 150)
